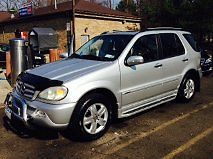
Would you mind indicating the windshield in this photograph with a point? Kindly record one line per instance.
(103, 47)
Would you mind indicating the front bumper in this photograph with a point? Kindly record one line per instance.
(35, 113)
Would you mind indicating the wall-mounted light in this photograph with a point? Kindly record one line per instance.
(85, 30)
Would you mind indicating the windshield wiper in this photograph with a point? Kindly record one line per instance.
(74, 55)
(89, 57)
(93, 57)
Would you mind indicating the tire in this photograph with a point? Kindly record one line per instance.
(91, 119)
(187, 89)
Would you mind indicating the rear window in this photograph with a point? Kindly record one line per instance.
(192, 42)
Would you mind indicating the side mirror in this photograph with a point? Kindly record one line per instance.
(135, 60)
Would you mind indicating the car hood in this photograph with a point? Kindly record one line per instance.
(67, 69)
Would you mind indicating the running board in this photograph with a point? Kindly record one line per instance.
(148, 106)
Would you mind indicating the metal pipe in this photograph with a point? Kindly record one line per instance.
(73, 25)
(56, 7)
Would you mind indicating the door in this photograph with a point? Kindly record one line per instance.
(141, 81)
(174, 61)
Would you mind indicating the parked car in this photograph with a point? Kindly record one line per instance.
(114, 75)
(3, 49)
(206, 62)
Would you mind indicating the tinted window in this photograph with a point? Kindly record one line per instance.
(168, 45)
(192, 42)
(146, 46)
(171, 45)
(179, 45)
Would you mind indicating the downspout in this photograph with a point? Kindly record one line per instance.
(71, 47)
(3, 32)
(56, 7)
(73, 24)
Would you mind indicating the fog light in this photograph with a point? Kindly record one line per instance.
(40, 114)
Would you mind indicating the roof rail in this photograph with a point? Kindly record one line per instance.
(104, 32)
(117, 31)
(163, 28)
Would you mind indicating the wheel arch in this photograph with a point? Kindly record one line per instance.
(106, 93)
(195, 74)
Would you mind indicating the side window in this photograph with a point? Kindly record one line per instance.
(192, 42)
(168, 45)
(146, 46)
(180, 48)
(171, 45)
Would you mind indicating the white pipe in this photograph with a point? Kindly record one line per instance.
(56, 4)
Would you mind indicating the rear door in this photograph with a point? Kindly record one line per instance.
(174, 60)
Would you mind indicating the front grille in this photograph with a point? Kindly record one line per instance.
(17, 107)
(26, 90)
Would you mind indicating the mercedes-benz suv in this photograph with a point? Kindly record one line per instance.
(114, 75)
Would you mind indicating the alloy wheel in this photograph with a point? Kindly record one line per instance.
(189, 89)
(95, 118)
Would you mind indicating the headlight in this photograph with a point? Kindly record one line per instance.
(209, 60)
(54, 93)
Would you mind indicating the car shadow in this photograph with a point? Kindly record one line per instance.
(20, 130)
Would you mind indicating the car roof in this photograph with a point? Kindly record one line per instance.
(148, 30)
(117, 32)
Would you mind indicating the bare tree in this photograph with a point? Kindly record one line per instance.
(106, 3)
(6, 5)
(9, 4)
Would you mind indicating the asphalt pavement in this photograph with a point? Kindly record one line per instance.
(171, 130)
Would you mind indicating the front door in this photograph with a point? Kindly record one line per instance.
(141, 81)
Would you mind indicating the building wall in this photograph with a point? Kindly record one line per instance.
(93, 27)
(83, 26)
(57, 23)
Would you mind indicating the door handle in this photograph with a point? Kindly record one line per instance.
(158, 65)
(185, 60)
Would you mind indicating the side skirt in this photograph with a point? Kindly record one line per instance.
(147, 105)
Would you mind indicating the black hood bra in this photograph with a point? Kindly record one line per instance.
(40, 83)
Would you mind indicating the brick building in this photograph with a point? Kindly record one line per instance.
(90, 20)
(4, 16)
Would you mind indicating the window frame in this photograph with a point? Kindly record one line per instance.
(162, 55)
(195, 47)
(157, 44)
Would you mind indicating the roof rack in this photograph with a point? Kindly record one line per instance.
(164, 28)
(117, 31)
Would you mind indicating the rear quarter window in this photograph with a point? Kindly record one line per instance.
(192, 42)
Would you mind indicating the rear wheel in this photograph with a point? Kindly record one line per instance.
(187, 89)
(92, 117)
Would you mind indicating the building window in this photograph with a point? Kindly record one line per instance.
(84, 39)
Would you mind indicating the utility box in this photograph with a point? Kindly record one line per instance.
(18, 53)
(42, 39)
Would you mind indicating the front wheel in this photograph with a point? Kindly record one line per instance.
(187, 89)
(92, 117)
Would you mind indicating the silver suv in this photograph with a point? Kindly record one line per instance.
(114, 75)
